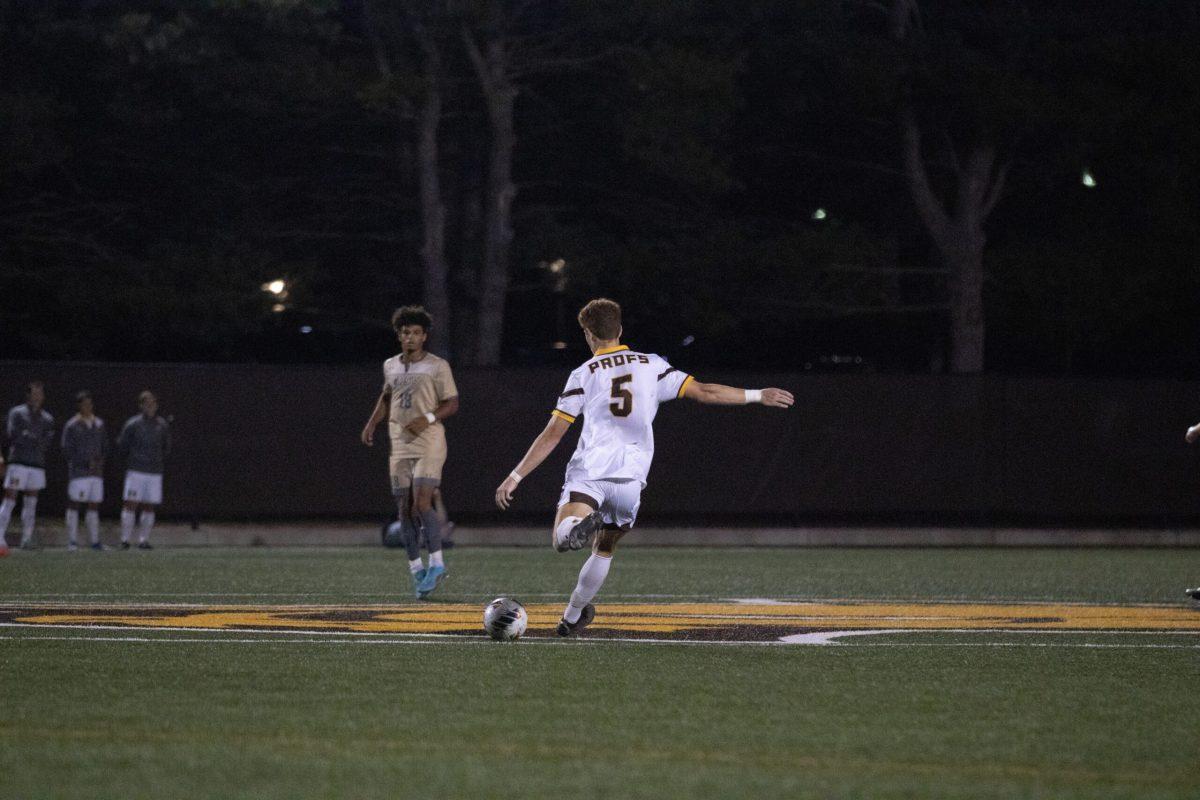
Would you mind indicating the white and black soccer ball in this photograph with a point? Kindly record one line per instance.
(505, 619)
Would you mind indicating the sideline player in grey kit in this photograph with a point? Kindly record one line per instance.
(145, 441)
(30, 431)
(85, 445)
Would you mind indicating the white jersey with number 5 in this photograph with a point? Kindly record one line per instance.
(618, 392)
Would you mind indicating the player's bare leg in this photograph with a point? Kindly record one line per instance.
(575, 522)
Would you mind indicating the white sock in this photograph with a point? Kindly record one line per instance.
(72, 524)
(92, 520)
(127, 520)
(145, 523)
(591, 578)
(6, 509)
(435, 559)
(415, 566)
(564, 528)
(28, 517)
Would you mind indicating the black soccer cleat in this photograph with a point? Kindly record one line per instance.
(1194, 594)
(124, 545)
(585, 618)
(145, 546)
(582, 533)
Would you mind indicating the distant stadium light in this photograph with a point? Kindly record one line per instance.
(819, 214)
(557, 265)
(306, 328)
(279, 308)
(1087, 179)
(559, 345)
(276, 287)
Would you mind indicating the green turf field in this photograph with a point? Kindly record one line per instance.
(158, 712)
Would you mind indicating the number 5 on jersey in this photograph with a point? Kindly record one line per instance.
(623, 406)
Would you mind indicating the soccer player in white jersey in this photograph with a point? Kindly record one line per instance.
(1193, 433)
(30, 431)
(618, 392)
(85, 446)
(145, 442)
(418, 393)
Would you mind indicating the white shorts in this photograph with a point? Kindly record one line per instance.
(86, 490)
(25, 479)
(143, 487)
(617, 499)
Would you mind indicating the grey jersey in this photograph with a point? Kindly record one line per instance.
(145, 443)
(30, 434)
(85, 446)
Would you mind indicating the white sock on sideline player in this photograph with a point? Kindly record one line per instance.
(435, 559)
(591, 578)
(415, 566)
(6, 509)
(145, 524)
(28, 518)
(72, 524)
(92, 520)
(127, 520)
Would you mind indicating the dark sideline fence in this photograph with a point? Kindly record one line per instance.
(255, 442)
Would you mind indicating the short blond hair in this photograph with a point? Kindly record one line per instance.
(602, 318)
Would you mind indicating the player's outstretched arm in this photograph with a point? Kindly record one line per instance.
(1193, 433)
(380, 411)
(542, 446)
(721, 395)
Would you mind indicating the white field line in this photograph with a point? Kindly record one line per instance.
(834, 637)
(456, 641)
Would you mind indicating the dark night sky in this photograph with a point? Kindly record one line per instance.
(161, 161)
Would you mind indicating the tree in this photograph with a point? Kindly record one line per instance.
(415, 24)
(491, 60)
(957, 228)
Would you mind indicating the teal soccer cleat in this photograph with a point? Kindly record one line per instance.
(433, 577)
(418, 577)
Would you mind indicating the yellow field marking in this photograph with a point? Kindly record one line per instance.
(647, 618)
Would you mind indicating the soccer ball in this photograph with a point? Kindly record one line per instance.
(393, 534)
(505, 619)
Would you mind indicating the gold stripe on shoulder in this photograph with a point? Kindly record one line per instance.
(684, 385)
(563, 416)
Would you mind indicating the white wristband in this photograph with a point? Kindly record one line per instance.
(753, 396)
(515, 476)
(429, 416)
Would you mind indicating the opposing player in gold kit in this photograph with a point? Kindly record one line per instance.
(418, 393)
